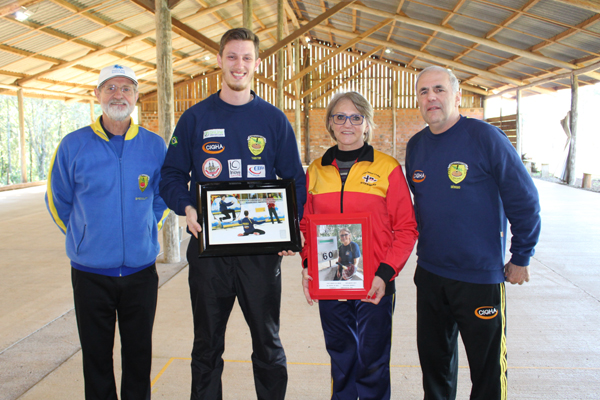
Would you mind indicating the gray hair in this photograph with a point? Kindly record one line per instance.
(451, 77)
(362, 105)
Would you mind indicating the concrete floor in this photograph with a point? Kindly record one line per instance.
(553, 321)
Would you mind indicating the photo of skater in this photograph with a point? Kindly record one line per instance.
(272, 208)
(268, 210)
(223, 207)
(248, 225)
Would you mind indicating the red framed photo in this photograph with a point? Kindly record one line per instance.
(340, 259)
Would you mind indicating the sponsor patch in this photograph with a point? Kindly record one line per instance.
(457, 171)
(418, 176)
(369, 180)
(235, 168)
(211, 168)
(211, 133)
(256, 171)
(143, 181)
(256, 144)
(486, 312)
(213, 147)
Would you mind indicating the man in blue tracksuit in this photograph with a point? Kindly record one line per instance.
(256, 141)
(103, 195)
(467, 180)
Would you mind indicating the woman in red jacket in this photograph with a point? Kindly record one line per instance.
(353, 177)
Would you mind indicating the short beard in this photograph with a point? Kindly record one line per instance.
(115, 114)
(239, 87)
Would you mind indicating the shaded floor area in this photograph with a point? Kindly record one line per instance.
(553, 334)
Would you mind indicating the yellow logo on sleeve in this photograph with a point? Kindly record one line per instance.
(457, 171)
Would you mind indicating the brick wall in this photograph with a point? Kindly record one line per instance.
(408, 122)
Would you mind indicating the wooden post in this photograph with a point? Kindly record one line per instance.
(519, 124)
(571, 160)
(92, 115)
(587, 181)
(306, 80)
(247, 22)
(247, 13)
(166, 114)
(280, 56)
(22, 135)
(298, 106)
(306, 84)
(394, 126)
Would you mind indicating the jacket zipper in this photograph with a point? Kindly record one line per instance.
(343, 184)
(122, 211)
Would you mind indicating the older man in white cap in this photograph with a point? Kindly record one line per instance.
(103, 195)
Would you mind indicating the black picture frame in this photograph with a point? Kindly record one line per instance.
(229, 231)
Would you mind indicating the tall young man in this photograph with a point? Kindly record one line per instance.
(258, 143)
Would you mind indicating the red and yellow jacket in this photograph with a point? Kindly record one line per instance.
(375, 184)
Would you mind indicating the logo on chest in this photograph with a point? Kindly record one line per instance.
(213, 148)
(369, 179)
(143, 180)
(211, 168)
(457, 171)
(256, 144)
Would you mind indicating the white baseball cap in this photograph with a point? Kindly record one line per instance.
(114, 71)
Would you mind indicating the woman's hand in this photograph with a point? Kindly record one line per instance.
(377, 291)
(305, 278)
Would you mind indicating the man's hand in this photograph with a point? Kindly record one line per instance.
(377, 291)
(516, 274)
(289, 252)
(191, 217)
(305, 278)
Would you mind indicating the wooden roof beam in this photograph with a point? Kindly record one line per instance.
(48, 92)
(333, 89)
(88, 55)
(183, 30)
(590, 5)
(340, 72)
(466, 36)
(584, 70)
(299, 32)
(516, 14)
(440, 60)
(354, 39)
(13, 6)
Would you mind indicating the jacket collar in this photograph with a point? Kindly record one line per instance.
(130, 134)
(367, 154)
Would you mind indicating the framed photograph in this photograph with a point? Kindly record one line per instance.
(248, 217)
(340, 259)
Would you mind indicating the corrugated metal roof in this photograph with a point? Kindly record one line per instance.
(474, 41)
(485, 12)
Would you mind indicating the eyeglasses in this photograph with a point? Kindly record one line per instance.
(126, 90)
(355, 119)
(344, 235)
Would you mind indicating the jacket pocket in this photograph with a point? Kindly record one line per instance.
(82, 238)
